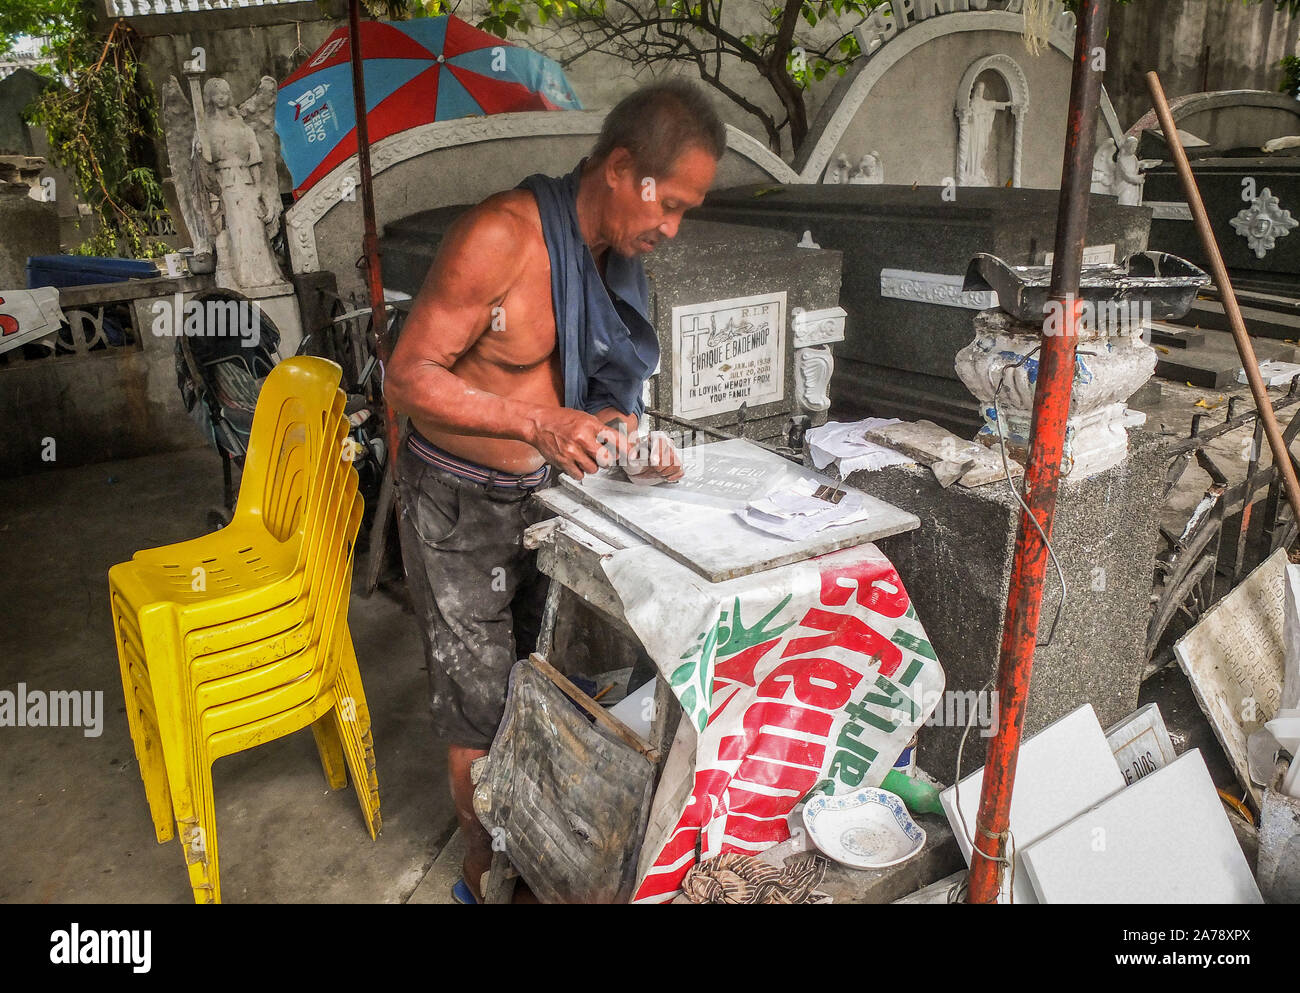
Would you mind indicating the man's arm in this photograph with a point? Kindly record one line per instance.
(477, 264)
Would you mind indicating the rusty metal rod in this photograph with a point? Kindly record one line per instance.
(1246, 351)
(1043, 469)
(370, 237)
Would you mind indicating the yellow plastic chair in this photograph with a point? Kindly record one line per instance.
(299, 400)
(279, 655)
(135, 678)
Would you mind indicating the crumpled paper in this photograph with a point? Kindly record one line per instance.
(846, 445)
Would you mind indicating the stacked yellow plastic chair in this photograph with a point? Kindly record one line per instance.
(240, 637)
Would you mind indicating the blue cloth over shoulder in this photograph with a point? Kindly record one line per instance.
(608, 346)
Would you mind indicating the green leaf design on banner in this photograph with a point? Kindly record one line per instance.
(727, 637)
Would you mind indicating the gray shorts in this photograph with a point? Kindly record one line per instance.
(476, 591)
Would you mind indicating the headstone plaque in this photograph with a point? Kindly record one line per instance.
(1141, 743)
(905, 252)
(1234, 660)
(728, 352)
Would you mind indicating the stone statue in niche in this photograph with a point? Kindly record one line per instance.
(223, 160)
(1128, 172)
(869, 170)
(978, 127)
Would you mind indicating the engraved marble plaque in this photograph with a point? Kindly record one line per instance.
(1234, 661)
(728, 352)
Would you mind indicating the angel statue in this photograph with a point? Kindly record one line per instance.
(1118, 172)
(223, 161)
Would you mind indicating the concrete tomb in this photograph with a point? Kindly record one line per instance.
(745, 318)
(905, 255)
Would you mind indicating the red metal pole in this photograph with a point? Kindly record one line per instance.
(370, 237)
(1042, 473)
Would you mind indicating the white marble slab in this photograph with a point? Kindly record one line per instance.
(707, 536)
(1234, 660)
(1165, 839)
(1061, 772)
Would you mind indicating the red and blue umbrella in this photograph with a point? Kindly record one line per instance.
(418, 71)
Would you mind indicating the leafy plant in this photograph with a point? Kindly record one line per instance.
(1290, 66)
(102, 126)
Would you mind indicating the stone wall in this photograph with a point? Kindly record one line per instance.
(1195, 45)
(117, 401)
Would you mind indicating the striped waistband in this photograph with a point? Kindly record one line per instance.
(430, 453)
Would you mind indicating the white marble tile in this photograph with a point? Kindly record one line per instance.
(1165, 839)
(1061, 771)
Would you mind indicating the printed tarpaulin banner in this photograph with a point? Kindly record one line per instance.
(28, 315)
(815, 671)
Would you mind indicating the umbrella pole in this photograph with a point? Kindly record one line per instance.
(370, 238)
(1043, 469)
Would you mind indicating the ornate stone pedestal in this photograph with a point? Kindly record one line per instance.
(1109, 368)
(814, 333)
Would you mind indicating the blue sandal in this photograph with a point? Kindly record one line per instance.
(461, 892)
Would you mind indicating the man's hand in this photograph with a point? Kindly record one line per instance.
(654, 460)
(576, 442)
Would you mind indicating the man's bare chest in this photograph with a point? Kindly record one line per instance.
(521, 325)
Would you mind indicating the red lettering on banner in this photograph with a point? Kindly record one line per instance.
(740, 667)
(756, 831)
(759, 806)
(799, 675)
(792, 778)
(8, 324)
(880, 589)
(774, 715)
(847, 631)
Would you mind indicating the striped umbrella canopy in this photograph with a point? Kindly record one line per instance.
(428, 69)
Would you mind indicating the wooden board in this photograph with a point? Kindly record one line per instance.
(708, 537)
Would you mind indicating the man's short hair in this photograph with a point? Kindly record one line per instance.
(660, 121)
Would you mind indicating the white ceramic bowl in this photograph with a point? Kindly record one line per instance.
(869, 828)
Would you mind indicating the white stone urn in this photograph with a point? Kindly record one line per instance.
(1108, 369)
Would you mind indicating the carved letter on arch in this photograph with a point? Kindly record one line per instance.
(1006, 67)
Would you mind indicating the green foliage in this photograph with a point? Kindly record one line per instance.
(103, 129)
(56, 20)
(1290, 66)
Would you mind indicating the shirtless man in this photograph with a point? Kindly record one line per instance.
(526, 349)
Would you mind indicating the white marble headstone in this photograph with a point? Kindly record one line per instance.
(1165, 839)
(1061, 771)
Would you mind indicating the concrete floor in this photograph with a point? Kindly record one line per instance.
(74, 825)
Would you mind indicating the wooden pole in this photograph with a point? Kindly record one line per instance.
(1246, 351)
